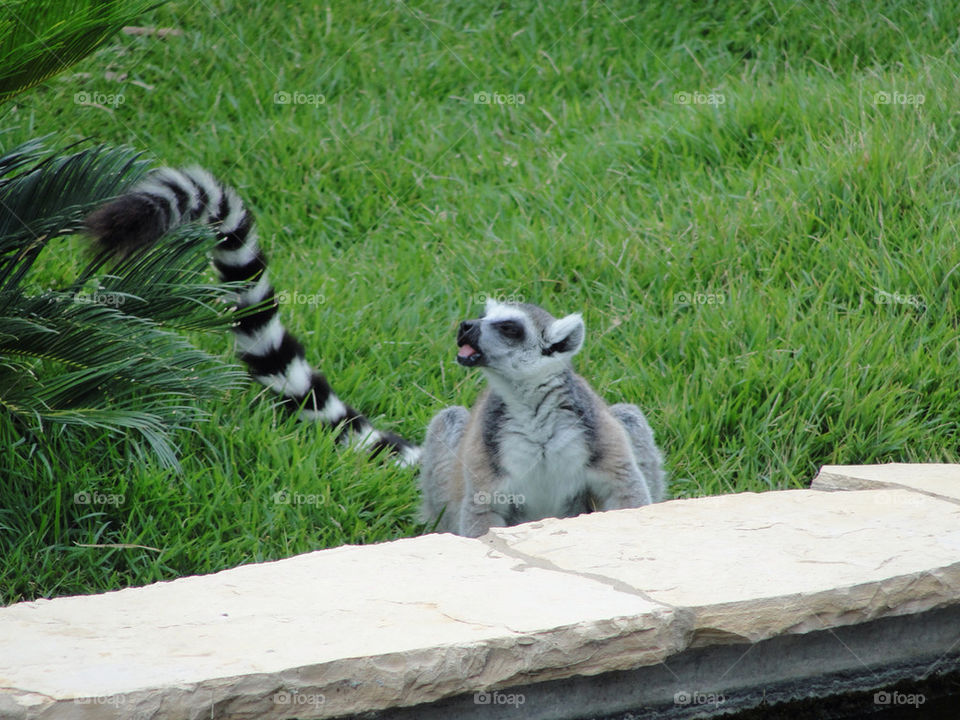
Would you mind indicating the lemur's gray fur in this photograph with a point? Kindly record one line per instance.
(539, 442)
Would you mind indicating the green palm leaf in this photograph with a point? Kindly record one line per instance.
(103, 352)
(40, 38)
(44, 196)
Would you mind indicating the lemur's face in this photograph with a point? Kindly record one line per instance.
(518, 341)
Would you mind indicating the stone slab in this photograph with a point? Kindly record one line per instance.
(320, 635)
(751, 566)
(939, 480)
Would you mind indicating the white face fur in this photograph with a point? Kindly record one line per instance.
(520, 342)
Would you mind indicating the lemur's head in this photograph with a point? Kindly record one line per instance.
(519, 341)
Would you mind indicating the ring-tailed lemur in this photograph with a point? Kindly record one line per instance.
(168, 198)
(539, 442)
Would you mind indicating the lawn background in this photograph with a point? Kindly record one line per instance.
(753, 204)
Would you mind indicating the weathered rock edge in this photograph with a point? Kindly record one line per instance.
(934, 479)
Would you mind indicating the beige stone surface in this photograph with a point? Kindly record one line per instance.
(751, 566)
(356, 629)
(322, 634)
(939, 480)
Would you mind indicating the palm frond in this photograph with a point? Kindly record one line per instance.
(44, 195)
(40, 38)
(168, 282)
(101, 353)
(64, 362)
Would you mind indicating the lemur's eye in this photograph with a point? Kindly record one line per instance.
(510, 330)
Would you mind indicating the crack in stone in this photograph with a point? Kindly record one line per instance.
(473, 623)
(21, 691)
(919, 491)
(871, 484)
(502, 546)
(938, 497)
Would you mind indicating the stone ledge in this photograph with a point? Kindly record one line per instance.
(358, 627)
(751, 566)
(940, 481)
(354, 630)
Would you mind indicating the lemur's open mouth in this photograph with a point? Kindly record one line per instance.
(467, 355)
(468, 337)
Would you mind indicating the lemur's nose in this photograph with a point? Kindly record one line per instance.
(468, 332)
(468, 328)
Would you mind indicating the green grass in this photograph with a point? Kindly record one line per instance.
(785, 212)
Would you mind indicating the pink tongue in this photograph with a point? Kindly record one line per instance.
(466, 351)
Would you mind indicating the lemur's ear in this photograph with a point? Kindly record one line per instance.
(565, 335)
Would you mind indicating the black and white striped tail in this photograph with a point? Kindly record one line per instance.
(168, 198)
